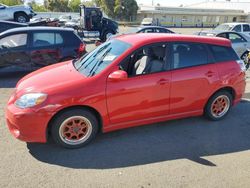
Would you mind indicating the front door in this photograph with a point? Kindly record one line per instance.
(14, 55)
(145, 94)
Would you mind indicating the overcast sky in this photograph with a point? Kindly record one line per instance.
(170, 2)
(178, 2)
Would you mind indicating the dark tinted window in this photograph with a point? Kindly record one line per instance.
(188, 54)
(46, 39)
(237, 28)
(246, 27)
(72, 39)
(222, 53)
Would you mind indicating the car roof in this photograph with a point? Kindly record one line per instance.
(35, 28)
(234, 23)
(146, 27)
(147, 38)
(10, 22)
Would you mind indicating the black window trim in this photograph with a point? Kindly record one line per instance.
(49, 46)
(150, 44)
(209, 55)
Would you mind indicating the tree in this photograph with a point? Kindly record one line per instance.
(36, 7)
(12, 2)
(125, 9)
(58, 5)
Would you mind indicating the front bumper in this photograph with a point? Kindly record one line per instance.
(26, 124)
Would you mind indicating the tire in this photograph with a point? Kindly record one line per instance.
(21, 17)
(218, 106)
(74, 128)
(106, 35)
(246, 60)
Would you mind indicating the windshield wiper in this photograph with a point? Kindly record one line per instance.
(99, 63)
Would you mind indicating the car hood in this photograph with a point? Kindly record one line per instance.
(19, 7)
(50, 78)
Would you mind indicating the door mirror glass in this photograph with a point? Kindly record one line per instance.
(118, 75)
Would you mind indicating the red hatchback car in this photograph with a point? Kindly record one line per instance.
(128, 81)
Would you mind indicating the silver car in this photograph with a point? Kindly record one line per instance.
(240, 43)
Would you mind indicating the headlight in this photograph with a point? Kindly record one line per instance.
(30, 100)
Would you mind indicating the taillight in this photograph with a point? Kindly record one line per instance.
(81, 48)
(242, 65)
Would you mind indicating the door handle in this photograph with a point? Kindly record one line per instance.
(163, 81)
(210, 73)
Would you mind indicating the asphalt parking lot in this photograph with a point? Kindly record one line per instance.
(192, 152)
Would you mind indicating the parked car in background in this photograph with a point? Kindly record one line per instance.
(243, 28)
(5, 25)
(73, 23)
(63, 19)
(27, 49)
(18, 13)
(163, 76)
(149, 22)
(240, 43)
(153, 29)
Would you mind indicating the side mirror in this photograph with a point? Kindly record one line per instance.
(118, 75)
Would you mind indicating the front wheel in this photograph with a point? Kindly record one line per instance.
(218, 105)
(74, 128)
(21, 18)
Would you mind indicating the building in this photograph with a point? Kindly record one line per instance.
(206, 14)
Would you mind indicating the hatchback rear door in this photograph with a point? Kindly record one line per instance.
(46, 48)
(193, 78)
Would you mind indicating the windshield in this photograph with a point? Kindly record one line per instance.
(97, 60)
(224, 27)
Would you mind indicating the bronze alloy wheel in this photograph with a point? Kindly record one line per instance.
(75, 130)
(220, 106)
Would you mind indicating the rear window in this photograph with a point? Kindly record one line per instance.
(223, 53)
(188, 54)
(46, 39)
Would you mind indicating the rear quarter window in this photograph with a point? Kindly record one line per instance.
(72, 39)
(223, 53)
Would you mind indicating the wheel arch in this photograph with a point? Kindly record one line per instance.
(226, 88)
(85, 107)
(20, 12)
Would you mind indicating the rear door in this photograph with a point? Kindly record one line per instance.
(193, 77)
(239, 43)
(46, 47)
(246, 29)
(14, 55)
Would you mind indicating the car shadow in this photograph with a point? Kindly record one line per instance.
(192, 138)
(8, 80)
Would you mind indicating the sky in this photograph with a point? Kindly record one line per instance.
(170, 2)
(178, 2)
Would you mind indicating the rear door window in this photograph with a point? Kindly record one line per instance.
(235, 38)
(188, 55)
(41, 39)
(246, 28)
(223, 53)
(237, 28)
(14, 41)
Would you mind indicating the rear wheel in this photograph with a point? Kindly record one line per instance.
(106, 35)
(74, 128)
(246, 59)
(21, 17)
(218, 105)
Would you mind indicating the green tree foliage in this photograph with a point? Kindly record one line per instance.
(74, 4)
(12, 2)
(120, 9)
(58, 5)
(37, 7)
